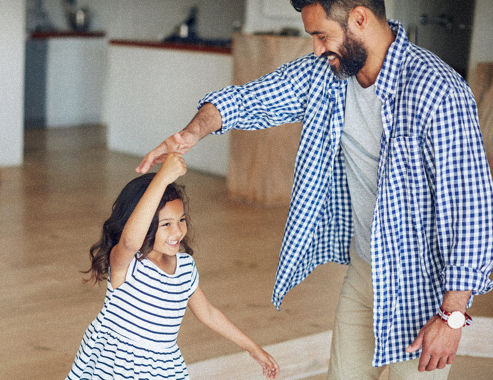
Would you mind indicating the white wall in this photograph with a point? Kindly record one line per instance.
(271, 15)
(12, 36)
(76, 69)
(153, 19)
(482, 36)
(153, 93)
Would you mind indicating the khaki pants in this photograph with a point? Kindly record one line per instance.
(352, 340)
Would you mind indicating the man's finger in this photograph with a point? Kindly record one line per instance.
(424, 359)
(451, 358)
(433, 363)
(150, 159)
(144, 165)
(442, 363)
(416, 345)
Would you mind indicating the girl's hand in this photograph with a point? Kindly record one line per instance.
(269, 365)
(173, 167)
(213, 318)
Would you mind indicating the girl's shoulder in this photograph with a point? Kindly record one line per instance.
(130, 271)
(186, 267)
(184, 260)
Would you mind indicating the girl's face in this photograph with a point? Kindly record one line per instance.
(172, 228)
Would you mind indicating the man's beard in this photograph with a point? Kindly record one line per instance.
(352, 59)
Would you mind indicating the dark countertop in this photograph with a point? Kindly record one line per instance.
(178, 45)
(66, 34)
(189, 46)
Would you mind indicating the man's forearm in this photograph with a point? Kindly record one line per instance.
(207, 120)
(456, 300)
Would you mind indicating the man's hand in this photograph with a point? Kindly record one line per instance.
(439, 343)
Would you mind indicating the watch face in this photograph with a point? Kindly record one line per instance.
(456, 320)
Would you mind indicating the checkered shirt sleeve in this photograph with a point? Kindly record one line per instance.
(274, 99)
(463, 194)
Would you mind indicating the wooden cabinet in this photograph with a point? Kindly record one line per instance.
(261, 162)
(483, 91)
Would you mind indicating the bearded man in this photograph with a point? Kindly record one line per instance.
(391, 178)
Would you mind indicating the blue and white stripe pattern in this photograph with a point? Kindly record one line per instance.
(134, 335)
(433, 222)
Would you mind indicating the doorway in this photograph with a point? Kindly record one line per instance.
(441, 26)
(35, 84)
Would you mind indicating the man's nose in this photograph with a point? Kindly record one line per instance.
(318, 47)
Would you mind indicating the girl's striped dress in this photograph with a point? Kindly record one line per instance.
(134, 335)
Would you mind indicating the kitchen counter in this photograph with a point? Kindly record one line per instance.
(66, 34)
(152, 90)
(189, 46)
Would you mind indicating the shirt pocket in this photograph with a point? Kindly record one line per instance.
(411, 211)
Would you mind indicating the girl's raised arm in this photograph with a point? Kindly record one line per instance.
(135, 230)
(217, 321)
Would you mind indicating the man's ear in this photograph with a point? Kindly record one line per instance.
(358, 17)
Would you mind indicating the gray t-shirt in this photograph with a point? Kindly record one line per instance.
(360, 143)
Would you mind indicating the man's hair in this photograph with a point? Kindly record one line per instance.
(339, 9)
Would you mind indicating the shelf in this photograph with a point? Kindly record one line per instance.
(66, 34)
(174, 45)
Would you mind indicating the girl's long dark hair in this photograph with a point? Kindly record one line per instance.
(121, 211)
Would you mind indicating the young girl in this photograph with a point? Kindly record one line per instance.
(150, 284)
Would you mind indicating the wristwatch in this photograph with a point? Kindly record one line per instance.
(455, 319)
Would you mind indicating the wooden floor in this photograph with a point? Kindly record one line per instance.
(51, 211)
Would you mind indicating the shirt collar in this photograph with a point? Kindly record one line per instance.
(386, 82)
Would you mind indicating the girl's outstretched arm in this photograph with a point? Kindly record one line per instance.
(217, 321)
(135, 230)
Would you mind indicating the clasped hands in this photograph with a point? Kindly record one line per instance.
(180, 143)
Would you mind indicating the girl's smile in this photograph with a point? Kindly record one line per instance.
(172, 228)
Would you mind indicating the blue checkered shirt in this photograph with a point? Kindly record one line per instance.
(432, 228)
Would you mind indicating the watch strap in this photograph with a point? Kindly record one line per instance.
(444, 315)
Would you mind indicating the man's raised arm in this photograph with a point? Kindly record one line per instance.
(206, 121)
